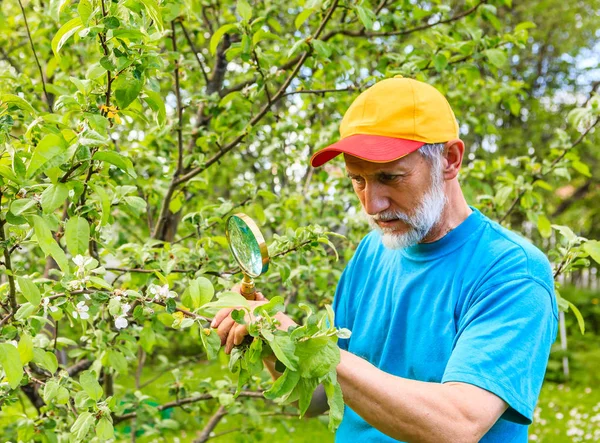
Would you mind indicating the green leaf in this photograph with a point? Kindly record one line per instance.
(275, 305)
(137, 204)
(29, 290)
(592, 247)
(335, 400)
(126, 90)
(154, 12)
(18, 207)
(306, 388)
(366, 16)
(50, 390)
(317, 357)
(227, 299)
(578, 316)
(46, 360)
(54, 196)
(82, 425)
(544, 226)
(85, 8)
(12, 99)
(284, 348)
(284, 385)
(302, 17)
(104, 429)
(322, 48)
(440, 62)
(77, 235)
(565, 232)
(218, 35)
(24, 311)
(244, 10)
(48, 244)
(211, 342)
(89, 383)
(582, 168)
(148, 339)
(117, 361)
(7, 173)
(64, 33)
(497, 57)
(25, 349)
(11, 363)
(49, 152)
(296, 47)
(121, 162)
(62, 397)
(157, 104)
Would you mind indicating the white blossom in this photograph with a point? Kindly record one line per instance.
(125, 307)
(161, 292)
(81, 311)
(121, 322)
(46, 306)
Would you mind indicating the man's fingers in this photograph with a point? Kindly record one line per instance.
(230, 338)
(237, 288)
(260, 297)
(221, 315)
(224, 329)
(238, 335)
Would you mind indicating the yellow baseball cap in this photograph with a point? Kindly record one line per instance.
(391, 119)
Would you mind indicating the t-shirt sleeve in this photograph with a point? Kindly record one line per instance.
(503, 344)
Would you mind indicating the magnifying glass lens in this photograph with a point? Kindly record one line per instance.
(245, 247)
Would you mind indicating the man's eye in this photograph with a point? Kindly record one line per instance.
(389, 178)
(358, 180)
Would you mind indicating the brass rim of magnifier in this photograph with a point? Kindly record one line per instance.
(264, 251)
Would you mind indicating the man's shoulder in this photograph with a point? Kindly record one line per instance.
(510, 255)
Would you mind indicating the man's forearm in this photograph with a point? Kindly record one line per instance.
(404, 409)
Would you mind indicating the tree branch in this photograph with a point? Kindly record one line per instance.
(191, 43)
(212, 424)
(12, 294)
(185, 401)
(179, 107)
(550, 169)
(79, 367)
(37, 61)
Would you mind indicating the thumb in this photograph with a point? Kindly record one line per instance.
(260, 297)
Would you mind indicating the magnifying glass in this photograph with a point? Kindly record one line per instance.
(248, 247)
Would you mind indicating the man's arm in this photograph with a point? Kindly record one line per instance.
(412, 410)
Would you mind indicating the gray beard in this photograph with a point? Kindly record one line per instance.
(426, 216)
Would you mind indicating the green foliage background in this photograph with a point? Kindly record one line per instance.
(130, 130)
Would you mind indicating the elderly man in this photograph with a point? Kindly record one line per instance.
(452, 316)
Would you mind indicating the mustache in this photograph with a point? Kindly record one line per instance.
(390, 215)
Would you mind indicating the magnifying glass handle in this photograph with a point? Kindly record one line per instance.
(248, 290)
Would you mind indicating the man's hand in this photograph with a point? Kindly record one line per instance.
(231, 332)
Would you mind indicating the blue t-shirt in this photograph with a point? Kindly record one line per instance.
(476, 306)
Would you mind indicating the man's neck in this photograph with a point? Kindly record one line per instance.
(455, 212)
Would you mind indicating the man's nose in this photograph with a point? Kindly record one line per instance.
(375, 200)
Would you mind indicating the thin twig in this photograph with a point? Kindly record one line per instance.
(12, 292)
(179, 107)
(191, 43)
(212, 424)
(186, 401)
(37, 61)
(550, 169)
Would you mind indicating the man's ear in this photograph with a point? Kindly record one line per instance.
(453, 157)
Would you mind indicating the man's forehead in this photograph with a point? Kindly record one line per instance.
(355, 164)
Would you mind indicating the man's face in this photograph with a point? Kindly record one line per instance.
(402, 199)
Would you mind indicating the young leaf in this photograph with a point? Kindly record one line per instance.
(46, 360)
(283, 348)
(154, 12)
(64, 33)
(121, 162)
(48, 244)
(244, 10)
(126, 90)
(29, 290)
(302, 17)
(54, 196)
(283, 385)
(592, 247)
(104, 429)
(11, 363)
(578, 316)
(48, 153)
(90, 385)
(77, 234)
(82, 425)
(211, 342)
(218, 35)
(25, 349)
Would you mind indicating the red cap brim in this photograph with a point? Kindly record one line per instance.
(373, 148)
